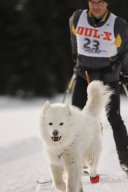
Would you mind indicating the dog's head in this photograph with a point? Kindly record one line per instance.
(55, 124)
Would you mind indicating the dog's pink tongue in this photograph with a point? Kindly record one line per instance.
(95, 180)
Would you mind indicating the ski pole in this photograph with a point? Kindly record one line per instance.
(125, 89)
(69, 87)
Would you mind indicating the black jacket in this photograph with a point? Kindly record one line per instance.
(105, 69)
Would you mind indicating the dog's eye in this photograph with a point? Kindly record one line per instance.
(50, 123)
(61, 123)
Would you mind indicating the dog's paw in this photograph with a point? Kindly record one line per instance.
(95, 180)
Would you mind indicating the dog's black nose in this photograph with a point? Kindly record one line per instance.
(55, 133)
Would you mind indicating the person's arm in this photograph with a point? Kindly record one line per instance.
(72, 25)
(121, 33)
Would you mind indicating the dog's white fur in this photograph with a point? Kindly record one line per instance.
(78, 132)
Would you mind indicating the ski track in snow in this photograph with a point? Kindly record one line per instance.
(23, 162)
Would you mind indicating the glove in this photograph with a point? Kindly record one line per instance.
(124, 78)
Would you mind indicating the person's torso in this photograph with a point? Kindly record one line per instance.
(96, 41)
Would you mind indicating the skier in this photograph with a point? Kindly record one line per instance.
(99, 41)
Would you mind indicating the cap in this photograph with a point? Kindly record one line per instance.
(107, 1)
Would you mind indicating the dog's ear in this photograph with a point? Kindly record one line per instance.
(68, 109)
(46, 106)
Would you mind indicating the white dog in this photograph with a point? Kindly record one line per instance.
(71, 137)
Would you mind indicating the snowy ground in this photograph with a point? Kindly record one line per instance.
(22, 161)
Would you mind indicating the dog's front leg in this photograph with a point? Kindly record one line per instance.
(57, 175)
(73, 178)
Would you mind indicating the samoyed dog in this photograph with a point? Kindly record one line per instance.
(71, 137)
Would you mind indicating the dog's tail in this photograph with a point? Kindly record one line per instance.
(98, 98)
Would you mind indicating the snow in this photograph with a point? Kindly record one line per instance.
(23, 161)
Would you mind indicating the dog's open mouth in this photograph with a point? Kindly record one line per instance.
(56, 138)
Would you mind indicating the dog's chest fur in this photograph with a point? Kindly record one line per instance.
(60, 157)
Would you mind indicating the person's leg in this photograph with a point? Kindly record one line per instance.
(118, 127)
(79, 95)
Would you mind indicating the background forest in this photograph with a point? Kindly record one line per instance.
(35, 52)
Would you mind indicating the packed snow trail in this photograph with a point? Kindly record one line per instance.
(23, 161)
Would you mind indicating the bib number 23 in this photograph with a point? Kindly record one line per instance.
(88, 42)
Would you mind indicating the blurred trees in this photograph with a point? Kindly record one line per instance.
(35, 54)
